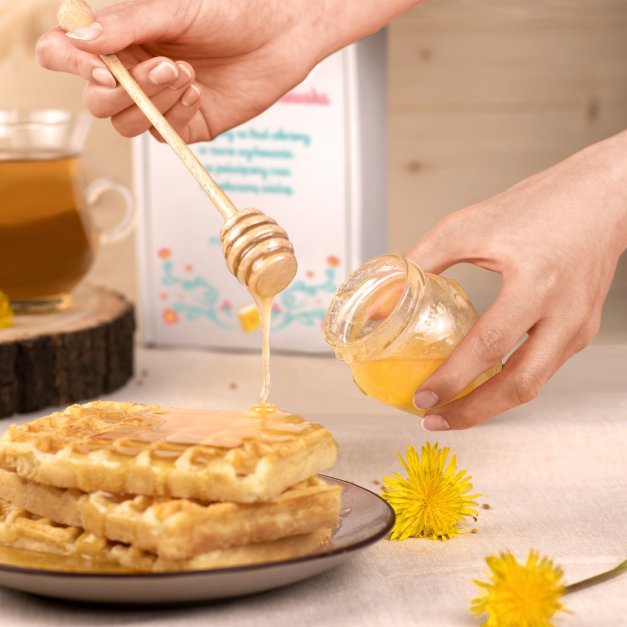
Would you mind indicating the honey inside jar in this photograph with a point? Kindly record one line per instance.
(395, 381)
(395, 325)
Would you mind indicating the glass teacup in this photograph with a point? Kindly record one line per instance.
(48, 239)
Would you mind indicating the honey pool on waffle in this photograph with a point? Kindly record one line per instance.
(145, 449)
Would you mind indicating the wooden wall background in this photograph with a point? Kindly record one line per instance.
(482, 93)
(485, 92)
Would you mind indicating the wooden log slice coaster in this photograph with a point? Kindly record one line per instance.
(68, 356)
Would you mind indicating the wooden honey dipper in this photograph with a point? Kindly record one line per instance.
(257, 250)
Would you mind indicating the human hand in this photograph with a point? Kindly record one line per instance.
(555, 239)
(207, 65)
(232, 62)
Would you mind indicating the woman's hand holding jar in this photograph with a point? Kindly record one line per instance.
(555, 239)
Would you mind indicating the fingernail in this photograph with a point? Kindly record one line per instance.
(103, 77)
(425, 399)
(191, 96)
(185, 76)
(434, 423)
(185, 69)
(86, 33)
(163, 73)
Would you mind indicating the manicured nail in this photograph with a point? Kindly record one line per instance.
(425, 399)
(86, 33)
(185, 76)
(103, 77)
(191, 96)
(434, 423)
(164, 72)
(184, 68)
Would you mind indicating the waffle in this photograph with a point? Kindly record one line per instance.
(127, 448)
(29, 539)
(179, 528)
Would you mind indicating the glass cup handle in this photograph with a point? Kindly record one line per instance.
(120, 230)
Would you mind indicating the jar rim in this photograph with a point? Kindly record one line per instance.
(40, 134)
(39, 115)
(351, 296)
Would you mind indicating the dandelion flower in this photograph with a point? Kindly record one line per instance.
(520, 595)
(433, 499)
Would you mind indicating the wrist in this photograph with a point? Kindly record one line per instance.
(336, 24)
(614, 159)
(604, 166)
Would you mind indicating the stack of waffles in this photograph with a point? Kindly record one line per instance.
(112, 486)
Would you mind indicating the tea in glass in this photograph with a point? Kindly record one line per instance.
(46, 243)
(47, 237)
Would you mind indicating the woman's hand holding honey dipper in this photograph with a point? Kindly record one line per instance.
(554, 238)
(257, 250)
(207, 65)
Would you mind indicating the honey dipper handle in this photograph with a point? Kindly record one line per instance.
(75, 13)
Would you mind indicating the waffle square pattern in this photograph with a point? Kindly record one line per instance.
(112, 486)
(144, 449)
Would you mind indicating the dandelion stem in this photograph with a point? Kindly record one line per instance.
(591, 581)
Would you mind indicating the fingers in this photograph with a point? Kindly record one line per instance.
(56, 52)
(120, 25)
(161, 79)
(116, 28)
(168, 84)
(132, 121)
(494, 335)
(182, 113)
(520, 381)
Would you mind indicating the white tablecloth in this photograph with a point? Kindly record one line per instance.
(553, 472)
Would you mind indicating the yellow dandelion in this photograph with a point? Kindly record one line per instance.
(520, 595)
(433, 499)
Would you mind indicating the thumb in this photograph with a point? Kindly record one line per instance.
(119, 26)
(442, 247)
(454, 240)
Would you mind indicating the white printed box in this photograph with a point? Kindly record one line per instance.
(315, 162)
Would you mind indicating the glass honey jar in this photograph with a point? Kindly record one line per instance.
(394, 325)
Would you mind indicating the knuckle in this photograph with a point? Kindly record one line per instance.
(591, 328)
(490, 345)
(525, 387)
(548, 281)
(580, 341)
(588, 332)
